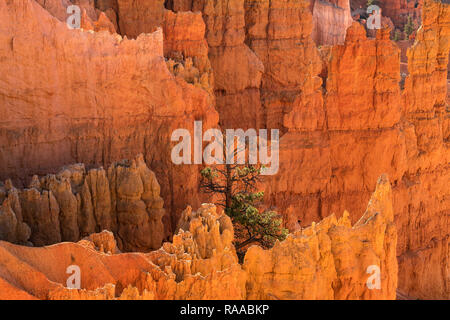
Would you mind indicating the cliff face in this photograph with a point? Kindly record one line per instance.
(340, 149)
(237, 100)
(328, 260)
(264, 46)
(327, 265)
(91, 17)
(320, 144)
(87, 97)
(279, 32)
(400, 10)
(137, 16)
(187, 50)
(423, 216)
(331, 20)
(90, 96)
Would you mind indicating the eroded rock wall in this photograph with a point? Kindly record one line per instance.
(139, 16)
(279, 32)
(91, 17)
(328, 260)
(331, 20)
(345, 145)
(101, 105)
(76, 203)
(400, 10)
(266, 48)
(237, 70)
(361, 107)
(186, 49)
(93, 98)
(422, 201)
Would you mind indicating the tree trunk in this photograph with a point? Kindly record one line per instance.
(229, 188)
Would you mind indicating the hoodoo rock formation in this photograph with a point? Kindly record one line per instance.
(139, 69)
(400, 10)
(397, 11)
(91, 97)
(237, 70)
(423, 217)
(331, 20)
(137, 17)
(266, 48)
(279, 33)
(328, 161)
(187, 50)
(362, 104)
(328, 260)
(76, 203)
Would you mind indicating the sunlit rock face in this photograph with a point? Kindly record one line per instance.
(279, 33)
(422, 202)
(331, 263)
(237, 69)
(329, 260)
(330, 145)
(404, 133)
(400, 10)
(76, 203)
(331, 20)
(266, 48)
(396, 10)
(347, 113)
(91, 97)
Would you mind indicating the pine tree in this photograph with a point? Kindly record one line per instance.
(236, 185)
(409, 27)
(397, 35)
